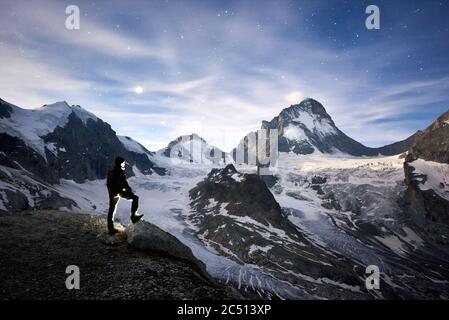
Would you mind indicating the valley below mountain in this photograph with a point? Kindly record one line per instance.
(329, 208)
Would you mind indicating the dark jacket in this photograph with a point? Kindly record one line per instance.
(116, 182)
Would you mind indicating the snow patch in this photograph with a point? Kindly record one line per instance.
(131, 144)
(255, 248)
(238, 177)
(316, 124)
(3, 201)
(293, 132)
(437, 176)
(394, 243)
(307, 119)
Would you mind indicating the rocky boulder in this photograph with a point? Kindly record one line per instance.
(37, 246)
(145, 236)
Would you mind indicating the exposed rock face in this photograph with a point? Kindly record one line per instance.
(41, 146)
(5, 109)
(15, 201)
(307, 127)
(86, 151)
(247, 195)
(15, 153)
(237, 215)
(145, 236)
(80, 146)
(397, 147)
(430, 145)
(424, 202)
(23, 190)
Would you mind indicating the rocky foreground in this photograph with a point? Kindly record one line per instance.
(37, 246)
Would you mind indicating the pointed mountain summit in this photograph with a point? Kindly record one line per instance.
(306, 128)
(193, 149)
(59, 141)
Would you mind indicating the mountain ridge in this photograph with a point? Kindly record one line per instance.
(320, 132)
(279, 122)
(194, 149)
(330, 212)
(73, 141)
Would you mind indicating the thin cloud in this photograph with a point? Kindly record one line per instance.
(217, 71)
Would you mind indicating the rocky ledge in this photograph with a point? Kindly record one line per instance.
(142, 262)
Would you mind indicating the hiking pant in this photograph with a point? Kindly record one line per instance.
(113, 200)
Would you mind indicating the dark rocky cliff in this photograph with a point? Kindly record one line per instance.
(432, 144)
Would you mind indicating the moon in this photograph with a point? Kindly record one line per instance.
(138, 90)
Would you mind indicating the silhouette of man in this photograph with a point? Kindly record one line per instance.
(118, 188)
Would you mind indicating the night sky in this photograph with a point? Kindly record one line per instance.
(157, 69)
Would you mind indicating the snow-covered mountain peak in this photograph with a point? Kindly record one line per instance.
(309, 106)
(70, 140)
(306, 128)
(58, 104)
(308, 115)
(62, 109)
(194, 149)
(30, 125)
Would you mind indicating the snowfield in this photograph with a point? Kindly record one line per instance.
(435, 176)
(164, 201)
(347, 206)
(337, 213)
(131, 144)
(352, 206)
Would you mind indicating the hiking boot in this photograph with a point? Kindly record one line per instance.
(136, 217)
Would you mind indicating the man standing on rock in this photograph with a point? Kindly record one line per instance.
(118, 188)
